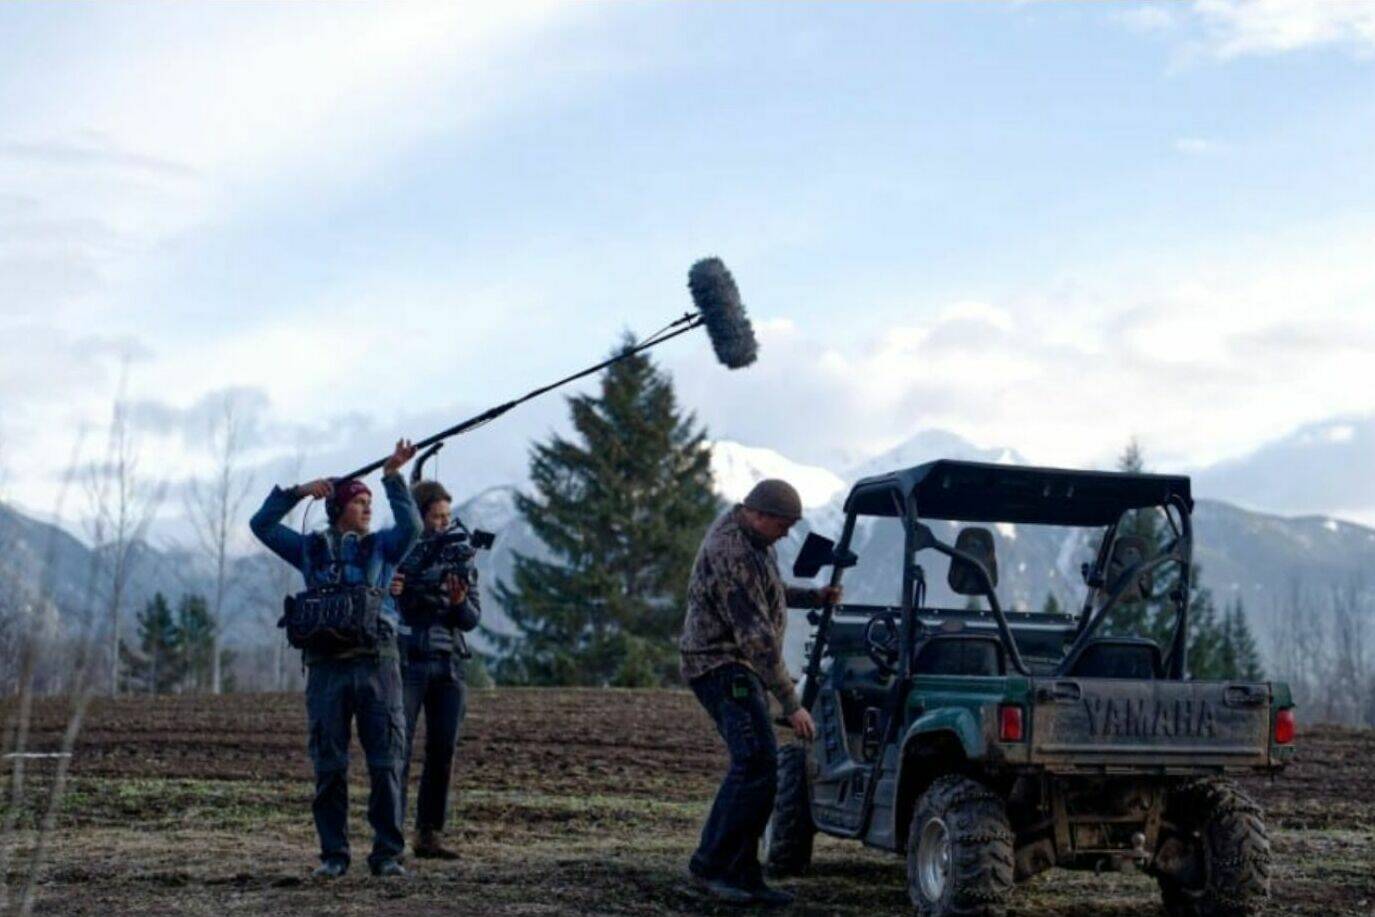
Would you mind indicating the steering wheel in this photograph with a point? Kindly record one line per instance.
(882, 641)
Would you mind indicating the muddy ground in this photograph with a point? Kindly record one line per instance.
(567, 802)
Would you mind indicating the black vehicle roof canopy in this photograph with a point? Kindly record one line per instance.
(981, 492)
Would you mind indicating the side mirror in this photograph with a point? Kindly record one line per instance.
(964, 577)
(817, 552)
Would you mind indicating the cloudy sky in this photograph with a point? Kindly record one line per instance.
(1049, 227)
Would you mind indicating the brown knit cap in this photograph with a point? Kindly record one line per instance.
(427, 493)
(775, 497)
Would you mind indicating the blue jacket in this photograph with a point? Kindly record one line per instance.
(370, 559)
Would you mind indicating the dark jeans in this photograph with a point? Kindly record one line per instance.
(435, 683)
(339, 691)
(729, 848)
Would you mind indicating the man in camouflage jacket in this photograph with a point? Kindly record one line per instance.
(732, 652)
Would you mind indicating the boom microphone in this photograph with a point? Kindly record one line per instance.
(718, 308)
(718, 302)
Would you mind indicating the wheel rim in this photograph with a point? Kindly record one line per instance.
(933, 859)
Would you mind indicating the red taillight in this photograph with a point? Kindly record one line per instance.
(1010, 724)
(1284, 726)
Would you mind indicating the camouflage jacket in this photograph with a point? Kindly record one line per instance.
(737, 608)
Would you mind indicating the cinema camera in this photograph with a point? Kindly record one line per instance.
(450, 553)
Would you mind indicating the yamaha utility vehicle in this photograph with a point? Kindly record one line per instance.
(986, 745)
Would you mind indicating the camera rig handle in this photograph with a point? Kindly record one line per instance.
(418, 469)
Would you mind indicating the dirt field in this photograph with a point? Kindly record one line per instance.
(201, 806)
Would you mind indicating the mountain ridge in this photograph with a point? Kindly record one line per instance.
(1242, 553)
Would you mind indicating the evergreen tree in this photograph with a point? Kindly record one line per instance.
(1142, 618)
(1239, 657)
(155, 667)
(196, 630)
(1155, 616)
(621, 507)
(1052, 606)
(1249, 665)
(174, 650)
(1209, 650)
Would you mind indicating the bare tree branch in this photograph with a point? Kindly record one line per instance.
(17, 737)
(123, 506)
(215, 509)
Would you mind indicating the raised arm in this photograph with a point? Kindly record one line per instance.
(397, 541)
(405, 531)
(267, 525)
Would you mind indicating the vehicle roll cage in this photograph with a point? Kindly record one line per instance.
(1102, 597)
(1178, 551)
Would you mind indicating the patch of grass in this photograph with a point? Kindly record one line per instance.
(161, 804)
(197, 845)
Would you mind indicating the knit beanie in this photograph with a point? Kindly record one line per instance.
(776, 498)
(344, 492)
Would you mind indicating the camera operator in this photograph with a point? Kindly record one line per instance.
(439, 603)
(361, 682)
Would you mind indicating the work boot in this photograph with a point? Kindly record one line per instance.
(770, 897)
(721, 889)
(427, 847)
(331, 869)
(388, 869)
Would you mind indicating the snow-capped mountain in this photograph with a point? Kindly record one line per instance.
(737, 468)
(1254, 556)
(1240, 553)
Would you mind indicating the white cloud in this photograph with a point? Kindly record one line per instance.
(976, 312)
(136, 128)
(1239, 27)
(1197, 146)
(1235, 28)
(1341, 433)
(237, 90)
(182, 122)
(1150, 17)
(1203, 360)
(778, 325)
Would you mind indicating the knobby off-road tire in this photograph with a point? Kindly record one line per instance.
(959, 851)
(1235, 850)
(789, 835)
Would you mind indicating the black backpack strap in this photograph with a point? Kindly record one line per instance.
(316, 539)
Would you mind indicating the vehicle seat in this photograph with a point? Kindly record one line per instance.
(1119, 657)
(961, 655)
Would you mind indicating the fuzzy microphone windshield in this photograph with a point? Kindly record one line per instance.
(718, 308)
(714, 292)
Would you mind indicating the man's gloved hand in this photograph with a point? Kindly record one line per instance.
(802, 724)
(831, 595)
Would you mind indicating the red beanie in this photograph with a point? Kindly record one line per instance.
(344, 492)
